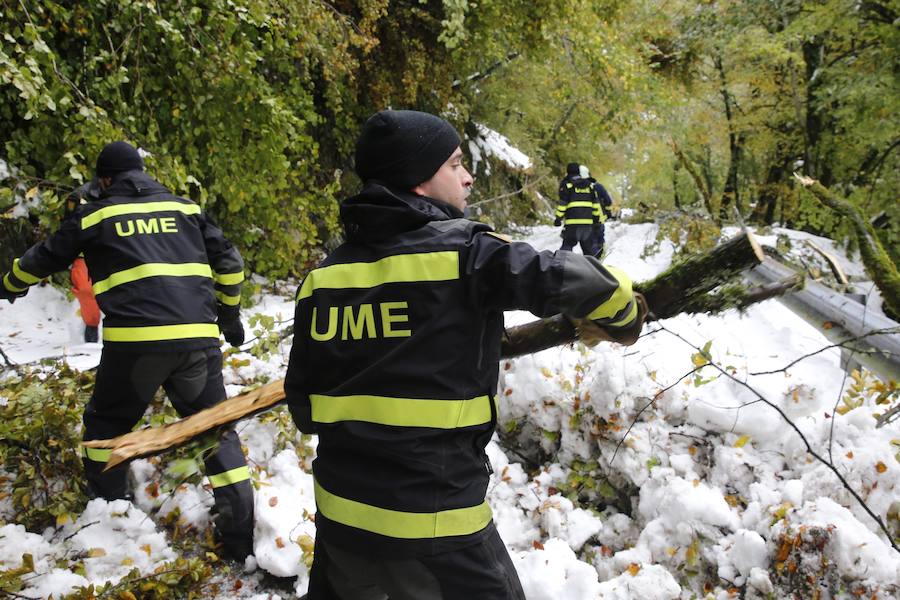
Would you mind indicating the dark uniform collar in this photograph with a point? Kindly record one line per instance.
(379, 212)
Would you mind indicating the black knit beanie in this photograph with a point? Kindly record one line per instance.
(403, 148)
(116, 158)
(573, 169)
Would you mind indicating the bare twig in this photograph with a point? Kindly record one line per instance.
(528, 185)
(841, 344)
(656, 397)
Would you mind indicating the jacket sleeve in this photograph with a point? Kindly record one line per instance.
(512, 275)
(565, 188)
(227, 266)
(43, 259)
(295, 385)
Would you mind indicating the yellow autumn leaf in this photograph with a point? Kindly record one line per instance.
(127, 561)
(741, 441)
(62, 519)
(634, 569)
(96, 552)
(31, 193)
(547, 372)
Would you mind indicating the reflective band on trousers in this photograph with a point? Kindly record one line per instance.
(401, 412)
(152, 270)
(160, 332)
(231, 477)
(579, 221)
(138, 208)
(618, 301)
(581, 203)
(405, 525)
(424, 266)
(96, 454)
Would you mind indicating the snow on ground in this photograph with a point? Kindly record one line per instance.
(721, 482)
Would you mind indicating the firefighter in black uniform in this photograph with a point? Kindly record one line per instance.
(578, 211)
(604, 202)
(394, 365)
(167, 282)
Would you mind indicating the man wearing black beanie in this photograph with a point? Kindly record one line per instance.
(167, 281)
(394, 366)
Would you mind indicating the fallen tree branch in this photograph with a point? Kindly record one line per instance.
(668, 294)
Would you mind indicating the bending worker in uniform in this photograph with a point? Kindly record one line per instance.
(578, 211)
(167, 281)
(395, 362)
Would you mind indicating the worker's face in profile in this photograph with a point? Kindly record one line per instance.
(452, 183)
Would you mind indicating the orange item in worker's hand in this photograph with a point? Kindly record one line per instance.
(81, 287)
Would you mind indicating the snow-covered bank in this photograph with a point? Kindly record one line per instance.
(725, 492)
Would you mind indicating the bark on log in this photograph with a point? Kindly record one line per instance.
(877, 262)
(681, 288)
(678, 289)
(153, 440)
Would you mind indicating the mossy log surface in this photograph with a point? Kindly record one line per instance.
(878, 264)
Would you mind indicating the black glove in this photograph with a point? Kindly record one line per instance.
(233, 331)
(6, 294)
(557, 221)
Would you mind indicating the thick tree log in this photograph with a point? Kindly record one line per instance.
(684, 287)
(877, 262)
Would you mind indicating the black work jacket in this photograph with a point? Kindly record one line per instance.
(161, 270)
(395, 360)
(579, 204)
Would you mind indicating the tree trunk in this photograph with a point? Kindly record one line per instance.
(878, 264)
(731, 191)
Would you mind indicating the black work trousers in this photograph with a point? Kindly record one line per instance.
(582, 235)
(482, 570)
(126, 383)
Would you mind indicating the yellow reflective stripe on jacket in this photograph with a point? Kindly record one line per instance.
(159, 333)
(8, 285)
(424, 266)
(580, 204)
(138, 208)
(398, 524)
(228, 300)
(152, 270)
(96, 454)
(579, 221)
(231, 477)
(628, 318)
(229, 278)
(401, 412)
(24, 275)
(619, 300)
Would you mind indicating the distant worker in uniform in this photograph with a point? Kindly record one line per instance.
(167, 281)
(394, 365)
(578, 211)
(604, 202)
(78, 274)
